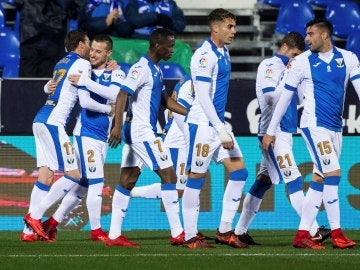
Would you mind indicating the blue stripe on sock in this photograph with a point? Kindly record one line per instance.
(332, 180)
(168, 186)
(239, 175)
(195, 183)
(95, 181)
(42, 186)
(317, 186)
(295, 185)
(123, 190)
(259, 188)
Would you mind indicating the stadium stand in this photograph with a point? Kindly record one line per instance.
(9, 54)
(125, 67)
(172, 71)
(345, 17)
(285, 21)
(274, 3)
(321, 3)
(353, 42)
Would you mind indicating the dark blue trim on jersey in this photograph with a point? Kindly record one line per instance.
(307, 134)
(283, 58)
(184, 103)
(290, 88)
(122, 190)
(54, 131)
(355, 77)
(168, 187)
(42, 186)
(155, 165)
(317, 186)
(81, 155)
(332, 180)
(195, 183)
(174, 152)
(203, 79)
(127, 89)
(116, 83)
(95, 181)
(268, 89)
(192, 133)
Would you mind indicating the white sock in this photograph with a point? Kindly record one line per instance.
(311, 205)
(250, 208)
(57, 191)
(120, 203)
(93, 202)
(69, 202)
(170, 201)
(152, 191)
(190, 211)
(331, 201)
(230, 205)
(38, 192)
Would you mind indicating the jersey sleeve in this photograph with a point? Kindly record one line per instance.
(135, 78)
(185, 94)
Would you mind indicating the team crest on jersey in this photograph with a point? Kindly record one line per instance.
(203, 62)
(269, 73)
(164, 157)
(106, 77)
(70, 160)
(182, 181)
(326, 161)
(339, 62)
(134, 74)
(199, 163)
(287, 173)
(92, 168)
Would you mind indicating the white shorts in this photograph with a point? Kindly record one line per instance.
(324, 147)
(204, 146)
(54, 148)
(152, 153)
(279, 163)
(178, 157)
(91, 155)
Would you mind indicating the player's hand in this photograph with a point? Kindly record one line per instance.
(74, 78)
(115, 137)
(267, 142)
(226, 138)
(51, 87)
(112, 65)
(112, 112)
(112, 17)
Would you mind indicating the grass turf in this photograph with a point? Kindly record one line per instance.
(74, 250)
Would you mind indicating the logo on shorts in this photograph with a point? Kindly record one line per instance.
(92, 168)
(182, 181)
(199, 163)
(287, 173)
(326, 161)
(70, 160)
(164, 157)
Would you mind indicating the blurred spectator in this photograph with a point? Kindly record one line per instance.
(105, 17)
(43, 26)
(146, 15)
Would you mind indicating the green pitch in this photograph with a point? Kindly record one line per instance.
(73, 250)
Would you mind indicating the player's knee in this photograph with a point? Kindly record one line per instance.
(259, 188)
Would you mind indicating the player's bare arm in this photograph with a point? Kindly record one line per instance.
(115, 134)
(172, 105)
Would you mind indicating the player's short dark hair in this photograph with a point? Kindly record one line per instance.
(219, 15)
(322, 23)
(294, 40)
(159, 36)
(106, 39)
(73, 38)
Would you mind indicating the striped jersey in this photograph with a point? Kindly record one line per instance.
(59, 105)
(211, 65)
(144, 83)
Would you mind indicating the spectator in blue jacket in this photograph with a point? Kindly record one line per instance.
(105, 17)
(147, 15)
